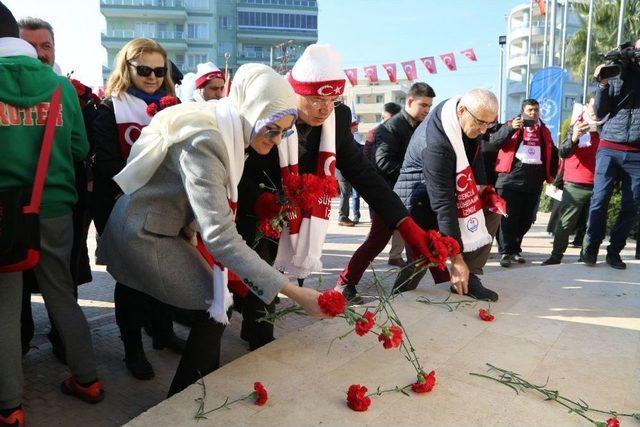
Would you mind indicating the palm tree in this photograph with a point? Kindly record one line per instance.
(604, 33)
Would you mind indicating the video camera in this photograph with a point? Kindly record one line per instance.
(617, 60)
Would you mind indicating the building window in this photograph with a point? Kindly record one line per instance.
(199, 31)
(179, 31)
(360, 99)
(379, 99)
(225, 47)
(568, 102)
(378, 118)
(255, 52)
(179, 60)
(225, 22)
(197, 4)
(278, 20)
(194, 59)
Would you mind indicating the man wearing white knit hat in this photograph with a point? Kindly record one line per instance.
(209, 82)
(322, 142)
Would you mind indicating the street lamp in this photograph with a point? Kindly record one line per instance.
(502, 40)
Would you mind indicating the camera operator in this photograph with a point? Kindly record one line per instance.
(618, 154)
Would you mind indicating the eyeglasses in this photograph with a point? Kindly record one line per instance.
(323, 102)
(481, 122)
(145, 71)
(273, 133)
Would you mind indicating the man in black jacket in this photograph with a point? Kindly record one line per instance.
(431, 180)
(618, 155)
(392, 138)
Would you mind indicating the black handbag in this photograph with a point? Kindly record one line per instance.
(20, 207)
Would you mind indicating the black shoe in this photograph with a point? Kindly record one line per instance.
(576, 244)
(478, 291)
(518, 258)
(350, 293)
(615, 261)
(588, 258)
(505, 261)
(174, 343)
(397, 262)
(552, 261)
(139, 366)
(346, 223)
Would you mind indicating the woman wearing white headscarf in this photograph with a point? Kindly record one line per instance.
(181, 177)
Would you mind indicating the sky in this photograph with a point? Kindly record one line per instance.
(365, 32)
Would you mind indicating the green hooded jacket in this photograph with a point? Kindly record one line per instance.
(26, 86)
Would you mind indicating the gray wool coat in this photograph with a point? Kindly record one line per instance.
(146, 245)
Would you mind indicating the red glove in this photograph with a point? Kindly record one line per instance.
(416, 240)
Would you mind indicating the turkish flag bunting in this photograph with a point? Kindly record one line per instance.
(410, 70)
(391, 72)
(470, 54)
(542, 7)
(430, 64)
(449, 61)
(371, 72)
(352, 75)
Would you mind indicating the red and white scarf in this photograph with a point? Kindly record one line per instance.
(471, 221)
(131, 118)
(300, 246)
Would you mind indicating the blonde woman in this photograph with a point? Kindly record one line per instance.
(141, 77)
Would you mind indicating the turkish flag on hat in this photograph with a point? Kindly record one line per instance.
(449, 61)
(470, 54)
(391, 72)
(371, 72)
(430, 64)
(410, 70)
(352, 75)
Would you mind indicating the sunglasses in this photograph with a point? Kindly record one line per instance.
(272, 133)
(145, 71)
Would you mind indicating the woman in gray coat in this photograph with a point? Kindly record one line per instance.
(180, 182)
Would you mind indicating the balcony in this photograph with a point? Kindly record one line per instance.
(522, 60)
(149, 9)
(174, 40)
(275, 35)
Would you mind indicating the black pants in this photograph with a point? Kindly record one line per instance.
(255, 332)
(202, 353)
(521, 208)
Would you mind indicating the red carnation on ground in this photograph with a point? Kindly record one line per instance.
(391, 337)
(365, 324)
(425, 382)
(267, 206)
(613, 422)
(332, 303)
(485, 315)
(260, 394)
(168, 101)
(152, 109)
(357, 399)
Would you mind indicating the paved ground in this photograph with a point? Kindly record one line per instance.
(127, 397)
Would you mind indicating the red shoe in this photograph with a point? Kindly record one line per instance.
(16, 419)
(91, 394)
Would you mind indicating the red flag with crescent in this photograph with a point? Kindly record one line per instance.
(542, 7)
(470, 54)
(430, 64)
(410, 70)
(449, 61)
(352, 75)
(371, 72)
(391, 72)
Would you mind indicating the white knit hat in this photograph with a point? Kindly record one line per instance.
(207, 71)
(317, 72)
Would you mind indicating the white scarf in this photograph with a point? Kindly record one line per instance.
(172, 126)
(468, 205)
(131, 117)
(11, 46)
(300, 246)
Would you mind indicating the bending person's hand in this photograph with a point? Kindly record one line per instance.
(459, 275)
(306, 298)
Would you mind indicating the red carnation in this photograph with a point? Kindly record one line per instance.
(260, 394)
(266, 228)
(330, 184)
(152, 109)
(365, 324)
(357, 399)
(168, 101)
(306, 190)
(438, 253)
(391, 337)
(332, 303)
(613, 422)
(267, 206)
(451, 244)
(485, 315)
(79, 87)
(425, 382)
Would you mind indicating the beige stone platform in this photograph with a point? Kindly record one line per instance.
(579, 326)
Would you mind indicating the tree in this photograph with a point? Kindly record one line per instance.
(604, 33)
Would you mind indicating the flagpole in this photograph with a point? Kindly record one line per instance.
(621, 22)
(564, 32)
(526, 89)
(587, 54)
(552, 35)
(546, 27)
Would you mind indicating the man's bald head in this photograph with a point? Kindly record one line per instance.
(477, 111)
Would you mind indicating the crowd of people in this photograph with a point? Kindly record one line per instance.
(177, 192)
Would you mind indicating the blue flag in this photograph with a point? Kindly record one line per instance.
(547, 86)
